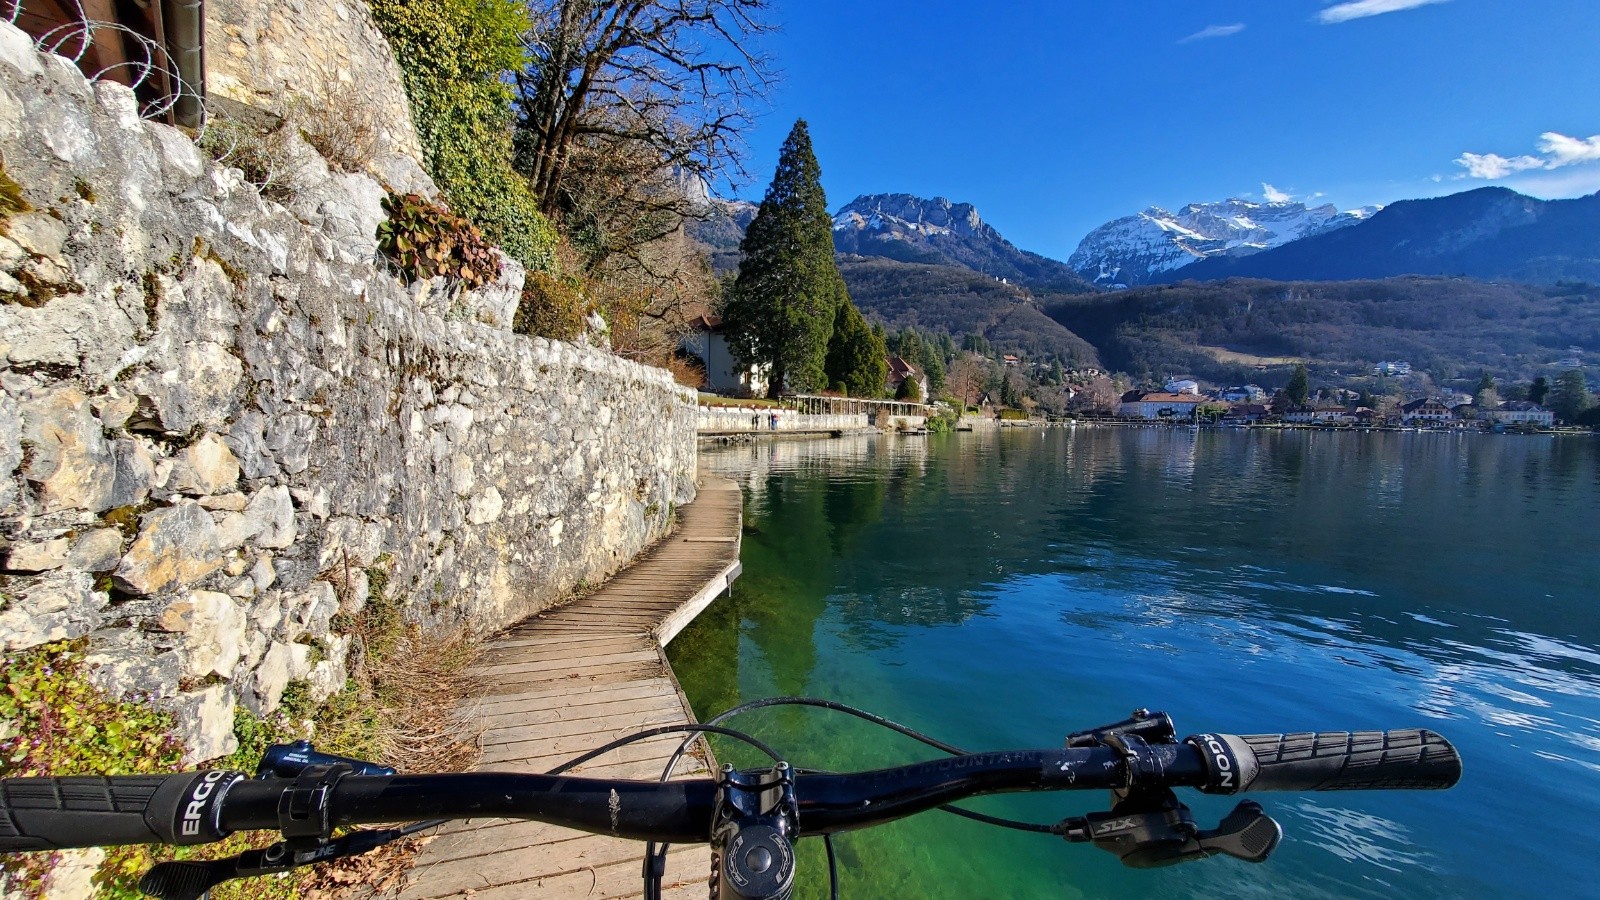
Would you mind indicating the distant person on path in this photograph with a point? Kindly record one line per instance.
(774, 419)
(755, 421)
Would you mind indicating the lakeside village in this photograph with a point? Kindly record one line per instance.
(973, 390)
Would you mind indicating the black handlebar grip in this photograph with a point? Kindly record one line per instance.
(98, 811)
(1403, 759)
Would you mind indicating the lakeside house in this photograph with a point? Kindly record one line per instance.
(1246, 414)
(900, 371)
(707, 342)
(1521, 412)
(1159, 405)
(1427, 411)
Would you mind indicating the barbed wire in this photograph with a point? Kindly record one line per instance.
(74, 39)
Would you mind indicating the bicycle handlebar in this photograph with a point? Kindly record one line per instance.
(200, 807)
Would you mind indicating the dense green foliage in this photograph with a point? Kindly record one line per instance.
(1299, 386)
(551, 306)
(782, 308)
(1449, 327)
(453, 54)
(1570, 397)
(857, 357)
(426, 240)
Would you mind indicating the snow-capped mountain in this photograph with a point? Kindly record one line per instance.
(1138, 249)
(940, 232)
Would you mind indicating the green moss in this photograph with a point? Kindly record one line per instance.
(11, 200)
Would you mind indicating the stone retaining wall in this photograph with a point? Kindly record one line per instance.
(320, 52)
(224, 431)
(753, 419)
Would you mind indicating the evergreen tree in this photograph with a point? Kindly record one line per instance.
(786, 298)
(857, 357)
(1299, 386)
(1570, 396)
(1487, 395)
(909, 391)
(1540, 390)
(932, 364)
(1365, 399)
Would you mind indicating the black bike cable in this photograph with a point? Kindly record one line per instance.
(655, 862)
(833, 868)
(876, 719)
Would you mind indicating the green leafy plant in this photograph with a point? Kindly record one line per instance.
(425, 240)
(551, 307)
(453, 55)
(53, 721)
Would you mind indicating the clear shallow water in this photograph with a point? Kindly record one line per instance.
(1001, 590)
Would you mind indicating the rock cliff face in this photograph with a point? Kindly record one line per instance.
(222, 424)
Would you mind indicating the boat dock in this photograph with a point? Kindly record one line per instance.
(569, 680)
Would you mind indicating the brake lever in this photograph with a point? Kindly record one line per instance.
(190, 879)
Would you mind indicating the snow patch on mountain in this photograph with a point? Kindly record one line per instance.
(1131, 250)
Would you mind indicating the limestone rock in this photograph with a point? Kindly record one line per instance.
(71, 462)
(176, 546)
(72, 874)
(10, 436)
(267, 682)
(58, 605)
(233, 529)
(213, 626)
(282, 663)
(135, 474)
(224, 502)
(486, 507)
(205, 723)
(38, 234)
(201, 389)
(38, 557)
(125, 663)
(273, 509)
(97, 551)
(312, 611)
(206, 467)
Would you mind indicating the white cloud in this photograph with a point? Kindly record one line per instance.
(1213, 31)
(1556, 151)
(1274, 195)
(1493, 165)
(1361, 9)
(1566, 151)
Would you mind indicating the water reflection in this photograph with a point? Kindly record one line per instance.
(1271, 581)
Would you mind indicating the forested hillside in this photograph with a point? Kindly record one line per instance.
(958, 302)
(1225, 331)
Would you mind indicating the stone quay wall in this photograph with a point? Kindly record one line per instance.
(224, 429)
(318, 52)
(756, 419)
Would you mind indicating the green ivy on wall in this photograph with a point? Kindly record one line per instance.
(452, 55)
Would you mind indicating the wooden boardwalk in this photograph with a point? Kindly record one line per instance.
(571, 679)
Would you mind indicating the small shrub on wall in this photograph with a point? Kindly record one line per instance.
(452, 54)
(425, 240)
(551, 307)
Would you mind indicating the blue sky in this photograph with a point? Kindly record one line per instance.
(1054, 117)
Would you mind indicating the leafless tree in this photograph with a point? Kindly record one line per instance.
(670, 82)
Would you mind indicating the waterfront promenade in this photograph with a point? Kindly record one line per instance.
(574, 678)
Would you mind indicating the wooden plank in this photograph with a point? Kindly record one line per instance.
(574, 678)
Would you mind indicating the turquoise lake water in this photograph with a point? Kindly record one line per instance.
(1001, 590)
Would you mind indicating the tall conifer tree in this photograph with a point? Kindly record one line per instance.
(782, 308)
(857, 357)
